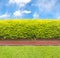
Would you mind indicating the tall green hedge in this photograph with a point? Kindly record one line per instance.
(29, 29)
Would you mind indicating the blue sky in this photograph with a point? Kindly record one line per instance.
(43, 9)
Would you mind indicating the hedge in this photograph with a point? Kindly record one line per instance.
(29, 29)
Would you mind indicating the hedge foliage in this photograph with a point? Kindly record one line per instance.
(29, 29)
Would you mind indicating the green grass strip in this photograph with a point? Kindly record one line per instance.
(29, 51)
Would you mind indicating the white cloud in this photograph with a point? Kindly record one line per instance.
(58, 17)
(17, 13)
(26, 11)
(35, 15)
(20, 2)
(46, 5)
(5, 15)
(20, 13)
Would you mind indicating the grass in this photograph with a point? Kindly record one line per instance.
(29, 29)
(29, 51)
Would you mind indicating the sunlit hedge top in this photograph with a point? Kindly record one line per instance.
(29, 29)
